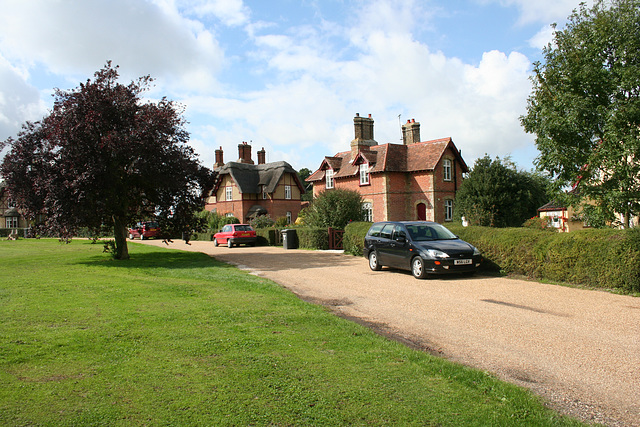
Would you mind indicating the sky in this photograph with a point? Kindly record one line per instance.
(289, 75)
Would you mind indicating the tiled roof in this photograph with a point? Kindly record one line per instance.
(422, 156)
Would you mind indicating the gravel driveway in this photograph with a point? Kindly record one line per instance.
(578, 349)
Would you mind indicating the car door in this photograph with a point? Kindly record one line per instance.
(226, 233)
(399, 248)
(383, 245)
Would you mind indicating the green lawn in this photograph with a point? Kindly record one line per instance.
(176, 338)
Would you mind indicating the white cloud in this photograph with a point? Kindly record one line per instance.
(19, 102)
(545, 11)
(542, 38)
(229, 12)
(76, 38)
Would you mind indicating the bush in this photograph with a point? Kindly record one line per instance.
(313, 238)
(262, 221)
(269, 236)
(215, 221)
(334, 208)
(603, 258)
(539, 223)
(353, 240)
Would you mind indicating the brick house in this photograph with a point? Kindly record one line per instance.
(10, 217)
(245, 190)
(410, 181)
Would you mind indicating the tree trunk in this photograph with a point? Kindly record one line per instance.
(120, 234)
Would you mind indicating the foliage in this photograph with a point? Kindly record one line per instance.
(607, 258)
(538, 223)
(496, 194)
(353, 240)
(313, 238)
(334, 208)
(282, 222)
(213, 221)
(585, 106)
(102, 156)
(303, 174)
(269, 236)
(178, 338)
(262, 221)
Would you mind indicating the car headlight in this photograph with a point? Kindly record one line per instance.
(475, 251)
(434, 253)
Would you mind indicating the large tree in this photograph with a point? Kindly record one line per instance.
(104, 157)
(496, 194)
(585, 106)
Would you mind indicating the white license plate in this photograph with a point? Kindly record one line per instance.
(462, 261)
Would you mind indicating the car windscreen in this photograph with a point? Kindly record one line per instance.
(243, 228)
(424, 232)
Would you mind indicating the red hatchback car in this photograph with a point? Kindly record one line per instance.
(235, 234)
(144, 230)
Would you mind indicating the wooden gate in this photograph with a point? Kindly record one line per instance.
(335, 238)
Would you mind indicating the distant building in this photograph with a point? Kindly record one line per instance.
(245, 190)
(10, 216)
(410, 181)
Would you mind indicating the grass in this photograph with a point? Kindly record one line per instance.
(177, 338)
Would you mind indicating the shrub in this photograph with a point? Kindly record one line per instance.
(334, 208)
(262, 221)
(353, 240)
(602, 258)
(539, 223)
(282, 222)
(215, 221)
(313, 238)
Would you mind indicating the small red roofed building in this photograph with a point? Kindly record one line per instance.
(415, 180)
(245, 190)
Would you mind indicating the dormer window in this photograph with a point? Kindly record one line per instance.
(329, 178)
(364, 174)
(446, 169)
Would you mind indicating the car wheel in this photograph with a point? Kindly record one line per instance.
(373, 261)
(142, 237)
(130, 236)
(229, 243)
(215, 242)
(417, 268)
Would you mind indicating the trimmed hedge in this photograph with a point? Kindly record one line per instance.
(269, 237)
(353, 240)
(313, 238)
(598, 258)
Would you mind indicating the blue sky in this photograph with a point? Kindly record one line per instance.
(288, 75)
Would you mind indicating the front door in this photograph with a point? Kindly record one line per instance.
(422, 212)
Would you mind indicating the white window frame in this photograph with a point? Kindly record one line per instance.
(287, 192)
(329, 178)
(448, 210)
(11, 222)
(446, 169)
(228, 193)
(289, 217)
(264, 192)
(364, 174)
(367, 210)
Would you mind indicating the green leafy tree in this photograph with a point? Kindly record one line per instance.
(585, 107)
(304, 173)
(496, 194)
(104, 157)
(334, 208)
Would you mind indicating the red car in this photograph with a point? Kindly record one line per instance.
(144, 230)
(235, 234)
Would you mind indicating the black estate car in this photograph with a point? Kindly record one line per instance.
(420, 246)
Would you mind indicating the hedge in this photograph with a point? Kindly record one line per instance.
(598, 258)
(353, 240)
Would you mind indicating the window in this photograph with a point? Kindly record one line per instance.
(364, 174)
(329, 178)
(289, 217)
(367, 212)
(446, 169)
(12, 222)
(448, 210)
(287, 192)
(229, 193)
(264, 192)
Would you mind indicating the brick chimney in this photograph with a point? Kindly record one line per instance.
(363, 127)
(411, 132)
(244, 153)
(219, 158)
(262, 156)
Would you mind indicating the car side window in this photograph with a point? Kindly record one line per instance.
(375, 230)
(387, 231)
(226, 228)
(398, 232)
